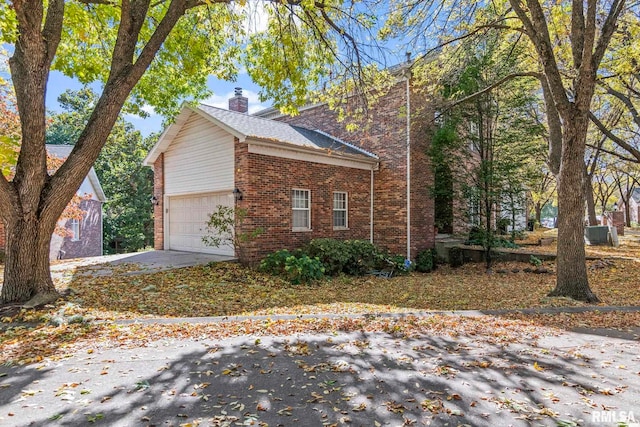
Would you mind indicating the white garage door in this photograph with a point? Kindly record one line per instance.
(187, 221)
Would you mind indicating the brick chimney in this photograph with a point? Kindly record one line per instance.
(239, 103)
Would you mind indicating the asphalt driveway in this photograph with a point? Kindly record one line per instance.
(345, 379)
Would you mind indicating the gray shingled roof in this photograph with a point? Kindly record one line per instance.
(272, 130)
(636, 195)
(62, 151)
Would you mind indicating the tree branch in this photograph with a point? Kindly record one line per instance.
(616, 139)
(608, 28)
(492, 86)
(577, 32)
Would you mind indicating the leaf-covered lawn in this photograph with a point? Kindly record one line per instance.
(228, 289)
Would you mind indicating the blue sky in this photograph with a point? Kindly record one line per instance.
(222, 90)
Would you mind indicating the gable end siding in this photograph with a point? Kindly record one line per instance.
(200, 159)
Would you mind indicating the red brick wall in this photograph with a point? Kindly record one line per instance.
(422, 204)
(266, 183)
(90, 242)
(158, 209)
(385, 134)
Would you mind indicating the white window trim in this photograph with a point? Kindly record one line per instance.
(75, 230)
(345, 210)
(308, 227)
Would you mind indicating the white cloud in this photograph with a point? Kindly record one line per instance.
(149, 110)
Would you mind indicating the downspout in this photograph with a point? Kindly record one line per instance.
(408, 167)
(101, 228)
(371, 208)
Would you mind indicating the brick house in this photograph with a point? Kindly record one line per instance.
(84, 236)
(299, 177)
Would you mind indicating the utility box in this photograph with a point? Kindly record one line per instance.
(596, 235)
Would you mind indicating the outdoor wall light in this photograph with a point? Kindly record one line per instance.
(237, 194)
(155, 201)
(615, 207)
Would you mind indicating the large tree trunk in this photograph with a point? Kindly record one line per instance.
(32, 203)
(26, 275)
(572, 278)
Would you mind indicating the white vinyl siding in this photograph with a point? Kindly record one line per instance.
(301, 206)
(187, 218)
(200, 159)
(340, 210)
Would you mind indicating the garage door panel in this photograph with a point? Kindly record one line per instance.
(188, 216)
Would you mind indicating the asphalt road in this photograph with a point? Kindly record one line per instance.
(351, 379)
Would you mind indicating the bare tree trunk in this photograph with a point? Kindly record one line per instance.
(27, 275)
(572, 278)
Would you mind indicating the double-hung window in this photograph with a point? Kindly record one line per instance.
(75, 230)
(301, 203)
(339, 210)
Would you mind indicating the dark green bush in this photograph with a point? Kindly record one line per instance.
(333, 254)
(296, 267)
(364, 256)
(275, 262)
(303, 269)
(426, 260)
(352, 257)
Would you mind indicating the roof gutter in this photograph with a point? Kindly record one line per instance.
(317, 151)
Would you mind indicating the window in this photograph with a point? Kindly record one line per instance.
(301, 212)
(75, 230)
(339, 210)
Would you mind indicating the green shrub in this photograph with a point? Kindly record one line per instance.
(352, 257)
(400, 263)
(426, 260)
(535, 261)
(364, 256)
(296, 267)
(303, 269)
(275, 262)
(333, 254)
